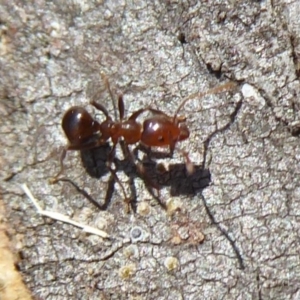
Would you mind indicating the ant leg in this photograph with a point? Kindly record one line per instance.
(121, 107)
(111, 156)
(172, 144)
(107, 85)
(188, 163)
(149, 181)
(63, 154)
(190, 168)
(101, 108)
(141, 170)
(116, 178)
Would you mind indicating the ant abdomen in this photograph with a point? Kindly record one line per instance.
(79, 127)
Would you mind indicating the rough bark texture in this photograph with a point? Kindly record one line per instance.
(244, 194)
(11, 284)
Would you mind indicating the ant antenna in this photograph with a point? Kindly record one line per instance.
(216, 90)
(107, 85)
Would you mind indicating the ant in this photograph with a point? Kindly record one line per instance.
(160, 130)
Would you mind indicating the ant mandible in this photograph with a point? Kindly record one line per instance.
(84, 132)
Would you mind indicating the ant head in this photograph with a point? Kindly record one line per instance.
(79, 126)
(179, 122)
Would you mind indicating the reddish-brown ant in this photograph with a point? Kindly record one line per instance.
(84, 132)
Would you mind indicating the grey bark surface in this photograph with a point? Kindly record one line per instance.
(244, 195)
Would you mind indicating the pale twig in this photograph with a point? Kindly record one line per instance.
(60, 217)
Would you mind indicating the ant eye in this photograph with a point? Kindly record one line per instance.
(160, 138)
